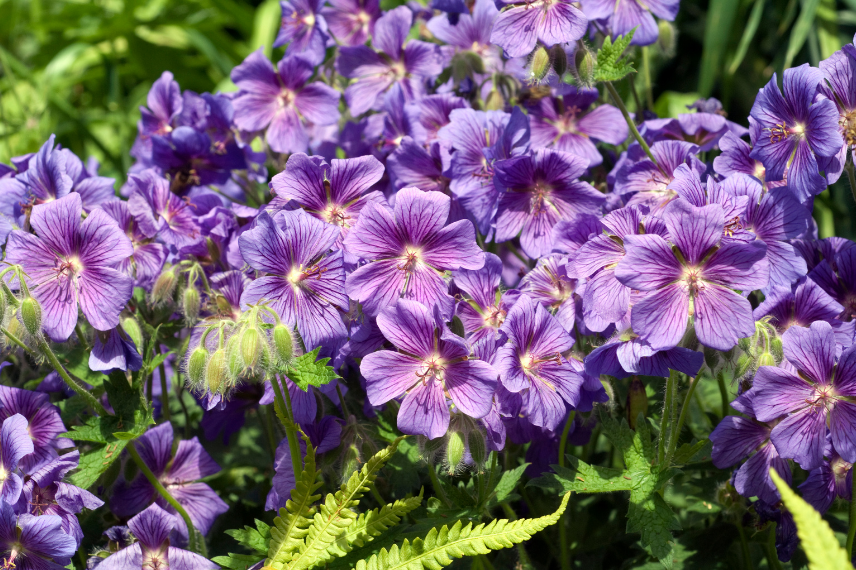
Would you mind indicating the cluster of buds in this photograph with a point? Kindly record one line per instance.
(20, 315)
(249, 348)
(191, 275)
(546, 61)
(463, 447)
(764, 348)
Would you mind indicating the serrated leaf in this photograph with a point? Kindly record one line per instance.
(693, 453)
(94, 463)
(236, 561)
(817, 539)
(256, 539)
(306, 371)
(585, 478)
(611, 65)
(76, 362)
(334, 515)
(508, 482)
(442, 545)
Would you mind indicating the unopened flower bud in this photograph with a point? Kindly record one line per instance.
(132, 329)
(559, 60)
(196, 365)
(455, 448)
(164, 286)
(777, 349)
(234, 359)
(743, 365)
(213, 250)
(637, 401)
(478, 447)
(539, 64)
(711, 357)
(584, 63)
(494, 101)
(744, 344)
(766, 359)
(252, 348)
(217, 371)
(457, 326)
(666, 38)
(31, 316)
(283, 343)
(191, 305)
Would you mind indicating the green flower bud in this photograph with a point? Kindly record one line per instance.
(132, 329)
(539, 65)
(191, 305)
(766, 359)
(743, 364)
(478, 447)
(455, 448)
(217, 371)
(164, 287)
(711, 357)
(196, 365)
(559, 59)
(584, 63)
(31, 316)
(777, 349)
(283, 343)
(637, 401)
(252, 347)
(233, 356)
(494, 101)
(666, 38)
(213, 250)
(744, 344)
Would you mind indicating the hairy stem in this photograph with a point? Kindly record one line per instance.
(667, 414)
(438, 489)
(191, 531)
(287, 418)
(164, 393)
(630, 124)
(676, 431)
(772, 555)
(17, 341)
(80, 390)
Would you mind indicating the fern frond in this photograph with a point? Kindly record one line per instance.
(290, 527)
(369, 526)
(440, 547)
(335, 514)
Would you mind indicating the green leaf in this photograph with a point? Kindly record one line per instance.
(256, 539)
(290, 527)
(76, 362)
(94, 463)
(821, 547)
(335, 514)
(306, 371)
(236, 561)
(585, 478)
(508, 482)
(693, 453)
(442, 545)
(799, 32)
(748, 35)
(717, 34)
(611, 64)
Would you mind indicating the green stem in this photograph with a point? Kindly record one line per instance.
(563, 442)
(850, 176)
(851, 531)
(342, 403)
(646, 73)
(164, 393)
(17, 341)
(744, 546)
(676, 432)
(723, 393)
(376, 495)
(287, 419)
(191, 531)
(80, 338)
(268, 413)
(772, 555)
(667, 413)
(438, 490)
(630, 124)
(80, 390)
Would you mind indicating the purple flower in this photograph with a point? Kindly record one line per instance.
(304, 29)
(351, 21)
(190, 158)
(45, 493)
(625, 15)
(93, 189)
(737, 438)
(333, 193)
(832, 480)
(568, 125)
(803, 304)
(33, 543)
(152, 549)
(408, 250)
(735, 157)
(147, 261)
(15, 443)
(532, 361)
(484, 312)
(811, 399)
(47, 176)
(479, 139)
(45, 423)
(303, 285)
(519, 27)
(401, 63)
(430, 114)
(694, 278)
(702, 129)
(549, 284)
(470, 32)
(280, 99)
(836, 275)
(646, 183)
(179, 474)
(432, 363)
(536, 192)
(113, 350)
(164, 105)
(72, 261)
(412, 165)
(839, 70)
(797, 130)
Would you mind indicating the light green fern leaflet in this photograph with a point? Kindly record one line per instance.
(334, 516)
(820, 545)
(441, 546)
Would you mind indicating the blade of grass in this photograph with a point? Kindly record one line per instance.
(799, 32)
(720, 17)
(748, 35)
